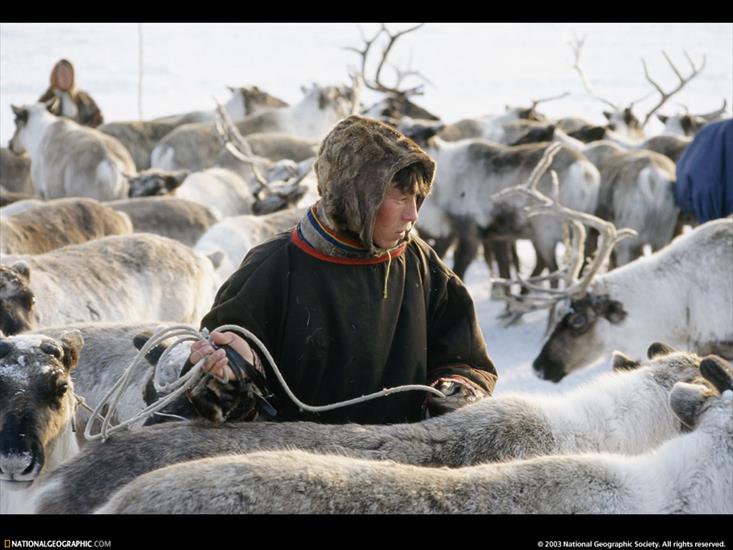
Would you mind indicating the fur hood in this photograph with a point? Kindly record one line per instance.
(356, 162)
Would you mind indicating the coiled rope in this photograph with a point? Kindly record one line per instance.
(194, 376)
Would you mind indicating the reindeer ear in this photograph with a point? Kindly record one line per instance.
(686, 401)
(72, 342)
(23, 269)
(622, 362)
(718, 372)
(607, 114)
(154, 355)
(659, 348)
(18, 111)
(663, 118)
(216, 258)
(175, 180)
(613, 310)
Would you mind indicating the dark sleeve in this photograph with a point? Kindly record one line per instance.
(89, 113)
(253, 296)
(456, 346)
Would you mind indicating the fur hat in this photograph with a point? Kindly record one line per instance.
(356, 163)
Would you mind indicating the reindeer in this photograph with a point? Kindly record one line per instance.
(625, 127)
(37, 406)
(118, 278)
(396, 101)
(637, 191)
(499, 128)
(245, 100)
(688, 125)
(192, 146)
(470, 172)
(59, 223)
(622, 412)
(69, 159)
(233, 187)
(668, 296)
(692, 473)
(15, 173)
(172, 217)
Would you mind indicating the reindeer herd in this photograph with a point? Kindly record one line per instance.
(109, 234)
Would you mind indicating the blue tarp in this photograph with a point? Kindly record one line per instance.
(705, 173)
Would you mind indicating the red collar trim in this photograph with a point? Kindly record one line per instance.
(308, 249)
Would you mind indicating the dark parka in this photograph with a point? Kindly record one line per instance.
(341, 325)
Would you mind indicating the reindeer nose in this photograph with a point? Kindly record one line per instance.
(19, 466)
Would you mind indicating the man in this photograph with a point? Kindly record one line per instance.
(350, 302)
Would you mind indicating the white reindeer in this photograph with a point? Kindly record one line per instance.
(681, 295)
(311, 119)
(624, 412)
(235, 237)
(689, 474)
(135, 277)
(69, 160)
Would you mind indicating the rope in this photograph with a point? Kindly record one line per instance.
(194, 377)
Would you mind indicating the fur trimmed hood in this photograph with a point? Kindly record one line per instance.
(356, 162)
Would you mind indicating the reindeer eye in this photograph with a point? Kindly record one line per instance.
(577, 320)
(52, 349)
(61, 389)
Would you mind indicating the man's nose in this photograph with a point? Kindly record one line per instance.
(410, 212)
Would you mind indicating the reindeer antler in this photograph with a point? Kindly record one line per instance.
(377, 84)
(682, 81)
(577, 46)
(536, 102)
(576, 282)
(233, 141)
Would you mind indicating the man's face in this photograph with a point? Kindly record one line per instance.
(395, 217)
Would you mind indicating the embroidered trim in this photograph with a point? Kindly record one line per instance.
(298, 240)
(331, 236)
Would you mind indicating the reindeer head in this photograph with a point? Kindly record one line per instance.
(710, 406)
(16, 298)
(36, 400)
(577, 338)
(24, 116)
(155, 182)
(687, 124)
(255, 99)
(625, 123)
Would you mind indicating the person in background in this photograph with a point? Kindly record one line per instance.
(705, 173)
(74, 103)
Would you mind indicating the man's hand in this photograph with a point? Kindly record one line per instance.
(457, 395)
(216, 360)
